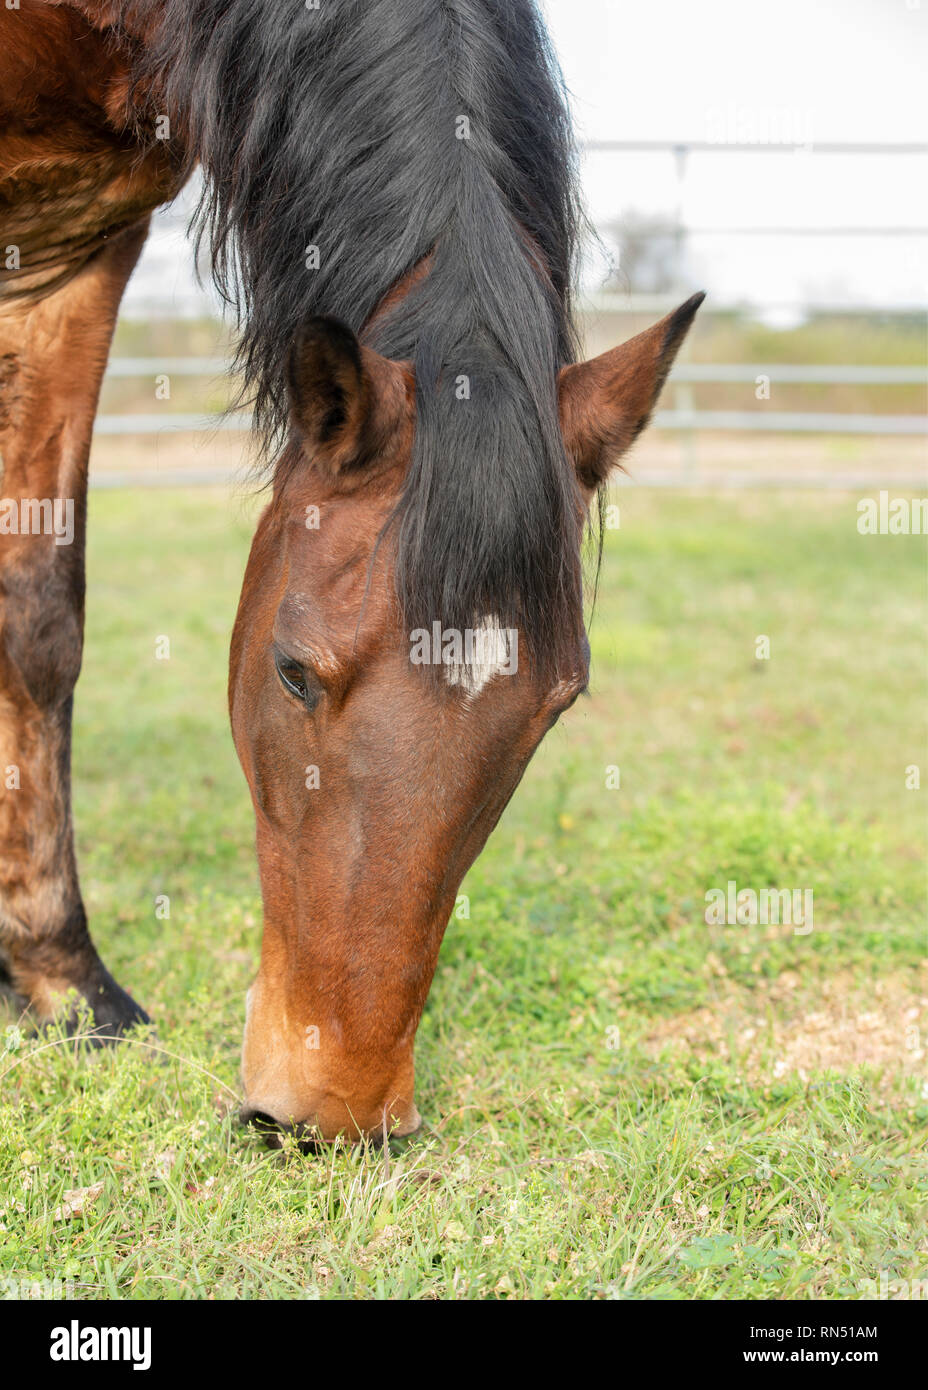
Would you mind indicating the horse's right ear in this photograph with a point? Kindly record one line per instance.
(606, 403)
(347, 402)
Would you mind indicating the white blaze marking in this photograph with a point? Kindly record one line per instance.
(492, 657)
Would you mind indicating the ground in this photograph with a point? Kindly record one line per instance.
(622, 1101)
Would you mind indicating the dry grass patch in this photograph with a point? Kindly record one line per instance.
(845, 1025)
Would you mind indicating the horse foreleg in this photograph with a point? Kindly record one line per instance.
(52, 359)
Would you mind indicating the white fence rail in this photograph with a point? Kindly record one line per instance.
(682, 418)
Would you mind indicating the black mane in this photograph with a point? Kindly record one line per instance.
(338, 128)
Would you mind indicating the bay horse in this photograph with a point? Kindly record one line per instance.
(390, 203)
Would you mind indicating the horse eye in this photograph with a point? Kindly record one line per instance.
(292, 677)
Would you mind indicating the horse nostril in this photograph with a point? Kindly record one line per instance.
(273, 1132)
(260, 1120)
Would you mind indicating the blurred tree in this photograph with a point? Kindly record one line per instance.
(648, 250)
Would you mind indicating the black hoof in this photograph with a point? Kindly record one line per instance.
(114, 1012)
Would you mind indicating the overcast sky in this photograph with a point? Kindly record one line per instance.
(812, 71)
(652, 69)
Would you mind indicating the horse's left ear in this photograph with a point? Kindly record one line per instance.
(348, 402)
(606, 403)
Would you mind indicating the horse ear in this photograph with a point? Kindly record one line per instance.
(346, 401)
(606, 403)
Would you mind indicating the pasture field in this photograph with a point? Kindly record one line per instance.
(622, 1101)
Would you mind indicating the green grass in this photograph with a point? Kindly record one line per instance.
(622, 1101)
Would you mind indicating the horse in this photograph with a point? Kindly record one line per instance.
(390, 203)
